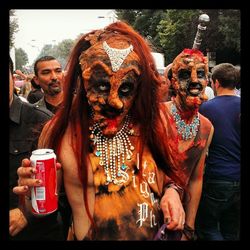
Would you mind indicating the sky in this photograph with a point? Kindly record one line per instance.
(40, 27)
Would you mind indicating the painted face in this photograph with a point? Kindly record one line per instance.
(111, 85)
(190, 71)
(49, 77)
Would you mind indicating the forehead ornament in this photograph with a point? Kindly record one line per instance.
(116, 56)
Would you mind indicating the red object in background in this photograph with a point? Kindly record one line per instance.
(19, 83)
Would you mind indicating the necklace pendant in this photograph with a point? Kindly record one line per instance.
(108, 179)
(98, 153)
(186, 131)
(123, 167)
(128, 157)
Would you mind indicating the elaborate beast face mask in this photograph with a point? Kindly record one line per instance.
(110, 70)
(190, 70)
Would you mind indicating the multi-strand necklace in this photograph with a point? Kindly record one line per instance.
(113, 152)
(187, 131)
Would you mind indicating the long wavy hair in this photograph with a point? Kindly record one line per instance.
(145, 110)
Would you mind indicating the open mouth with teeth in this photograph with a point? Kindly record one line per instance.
(194, 88)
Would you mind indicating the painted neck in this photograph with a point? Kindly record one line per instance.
(185, 111)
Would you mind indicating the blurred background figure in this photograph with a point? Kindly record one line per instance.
(49, 76)
(36, 92)
(166, 90)
(208, 90)
(218, 215)
(238, 87)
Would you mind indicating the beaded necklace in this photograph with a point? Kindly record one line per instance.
(113, 152)
(187, 131)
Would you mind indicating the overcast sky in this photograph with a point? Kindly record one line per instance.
(40, 27)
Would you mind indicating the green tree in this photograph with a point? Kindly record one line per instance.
(172, 30)
(128, 15)
(48, 50)
(145, 21)
(60, 51)
(63, 51)
(13, 28)
(177, 31)
(21, 58)
(64, 47)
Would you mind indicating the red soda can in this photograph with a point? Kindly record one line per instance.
(44, 199)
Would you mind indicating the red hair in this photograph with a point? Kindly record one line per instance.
(145, 108)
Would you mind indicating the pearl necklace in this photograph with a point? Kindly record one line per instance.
(187, 131)
(113, 152)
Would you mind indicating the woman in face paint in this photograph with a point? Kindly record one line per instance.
(111, 141)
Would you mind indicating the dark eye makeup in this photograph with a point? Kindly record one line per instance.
(126, 89)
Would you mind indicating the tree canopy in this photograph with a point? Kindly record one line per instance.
(13, 28)
(172, 30)
(60, 51)
(21, 58)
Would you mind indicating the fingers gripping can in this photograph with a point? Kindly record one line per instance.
(44, 199)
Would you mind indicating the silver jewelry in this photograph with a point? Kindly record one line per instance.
(187, 131)
(116, 56)
(113, 152)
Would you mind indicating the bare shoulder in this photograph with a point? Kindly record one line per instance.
(67, 156)
(67, 142)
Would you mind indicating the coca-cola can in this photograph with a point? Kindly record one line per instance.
(44, 199)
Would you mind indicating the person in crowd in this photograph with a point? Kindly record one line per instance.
(111, 143)
(171, 91)
(36, 92)
(163, 89)
(189, 133)
(219, 210)
(25, 123)
(209, 92)
(238, 85)
(49, 76)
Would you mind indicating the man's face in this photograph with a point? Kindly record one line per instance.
(49, 77)
(110, 94)
(190, 78)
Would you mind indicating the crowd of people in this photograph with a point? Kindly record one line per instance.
(131, 157)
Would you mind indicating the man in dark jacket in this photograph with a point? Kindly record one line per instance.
(26, 122)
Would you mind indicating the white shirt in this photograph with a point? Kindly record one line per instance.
(209, 92)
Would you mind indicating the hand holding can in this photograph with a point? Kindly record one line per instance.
(44, 198)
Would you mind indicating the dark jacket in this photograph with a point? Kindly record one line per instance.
(26, 122)
(34, 95)
(42, 104)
